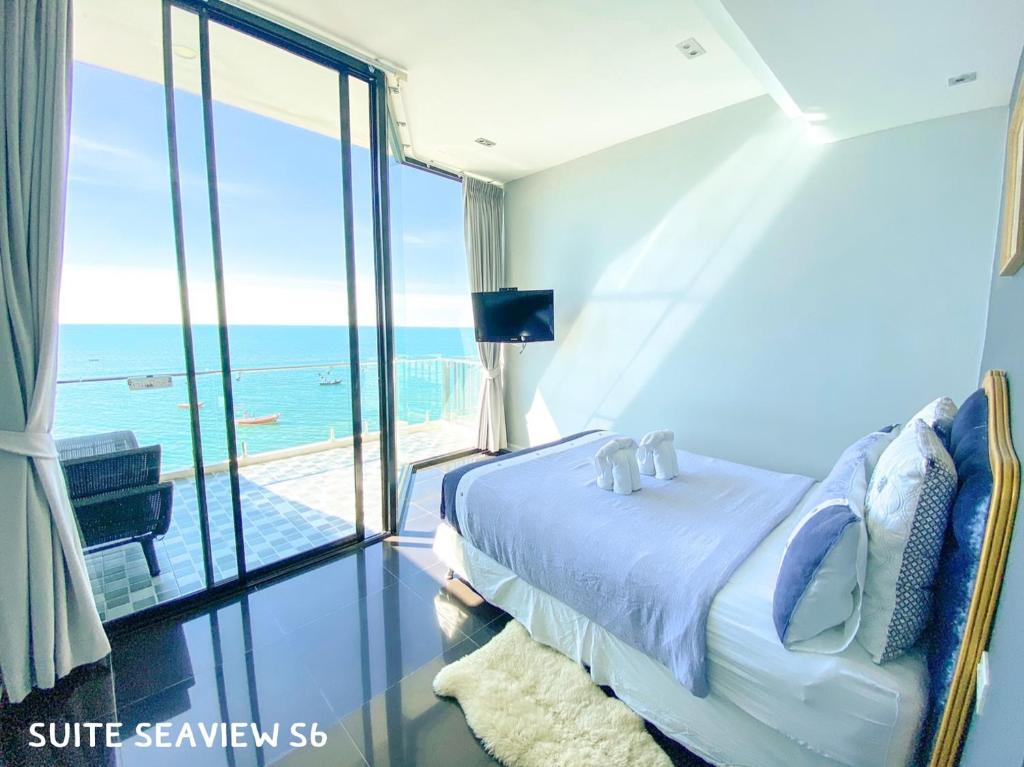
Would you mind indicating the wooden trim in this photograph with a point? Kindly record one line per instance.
(1011, 248)
(992, 564)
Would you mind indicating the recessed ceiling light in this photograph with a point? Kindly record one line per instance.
(484, 141)
(966, 77)
(184, 51)
(691, 48)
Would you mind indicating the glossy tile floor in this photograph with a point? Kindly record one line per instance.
(351, 645)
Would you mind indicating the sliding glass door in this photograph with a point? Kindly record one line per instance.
(248, 317)
(293, 259)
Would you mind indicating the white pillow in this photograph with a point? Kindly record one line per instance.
(908, 502)
(939, 414)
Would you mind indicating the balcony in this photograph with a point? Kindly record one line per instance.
(295, 495)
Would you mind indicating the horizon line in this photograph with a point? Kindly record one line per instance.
(248, 325)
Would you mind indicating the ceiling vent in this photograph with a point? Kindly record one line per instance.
(484, 141)
(691, 48)
(966, 77)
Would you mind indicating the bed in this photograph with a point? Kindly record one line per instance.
(761, 704)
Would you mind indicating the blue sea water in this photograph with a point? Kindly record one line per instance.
(308, 410)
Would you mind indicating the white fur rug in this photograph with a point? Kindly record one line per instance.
(533, 707)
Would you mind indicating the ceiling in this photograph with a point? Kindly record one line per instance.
(552, 80)
(858, 67)
(125, 35)
(546, 80)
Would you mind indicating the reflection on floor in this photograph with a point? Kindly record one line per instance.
(289, 506)
(351, 645)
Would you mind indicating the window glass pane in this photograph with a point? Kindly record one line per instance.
(202, 291)
(120, 320)
(277, 132)
(436, 364)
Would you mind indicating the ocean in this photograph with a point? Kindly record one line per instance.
(308, 410)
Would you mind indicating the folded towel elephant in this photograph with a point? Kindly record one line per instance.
(616, 466)
(657, 455)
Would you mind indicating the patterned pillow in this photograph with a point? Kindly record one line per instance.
(908, 502)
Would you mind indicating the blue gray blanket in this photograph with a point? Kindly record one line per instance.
(645, 566)
(451, 479)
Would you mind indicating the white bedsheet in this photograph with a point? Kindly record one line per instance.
(842, 705)
(767, 705)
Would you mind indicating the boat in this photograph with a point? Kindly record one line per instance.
(257, 420)
(325, 380)
(186, 405)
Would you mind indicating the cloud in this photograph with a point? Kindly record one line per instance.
(100, 163)
(84, 145)
(111, 294)
(428, 239)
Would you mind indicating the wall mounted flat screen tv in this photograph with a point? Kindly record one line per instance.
(514, 316)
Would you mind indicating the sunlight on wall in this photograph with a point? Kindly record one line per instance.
(758, 293)
(649, 295)
(540, 424)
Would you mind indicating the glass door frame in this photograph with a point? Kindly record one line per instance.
(274, 34)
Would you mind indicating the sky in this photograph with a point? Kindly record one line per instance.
(281, 220)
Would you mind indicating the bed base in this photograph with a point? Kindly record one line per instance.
(713, 728)
(956, 708)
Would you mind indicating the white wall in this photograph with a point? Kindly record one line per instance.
(769, 299)
(997, 736)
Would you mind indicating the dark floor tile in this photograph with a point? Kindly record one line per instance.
(267, 686)
(278, 689)
(203, 700)
(185, 646)
(454, 602)
(408, 724)
(86, 695)
(332, 586)
(679, 756)
(356, 653)
(338, 750)
(359, 638)
(403, 553)
(181, 647)
(491, 630)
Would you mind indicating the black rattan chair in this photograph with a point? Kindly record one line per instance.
(116, 493)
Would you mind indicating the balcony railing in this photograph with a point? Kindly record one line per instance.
(312, 401)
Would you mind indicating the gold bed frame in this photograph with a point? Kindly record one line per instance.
(994, 549)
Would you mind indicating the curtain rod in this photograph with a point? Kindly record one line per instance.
(448, 171)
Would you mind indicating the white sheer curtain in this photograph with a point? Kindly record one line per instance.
(48, 619)
(483, 207)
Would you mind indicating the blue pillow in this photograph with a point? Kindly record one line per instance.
(818, 584)
(816, 605)
(958, 564)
